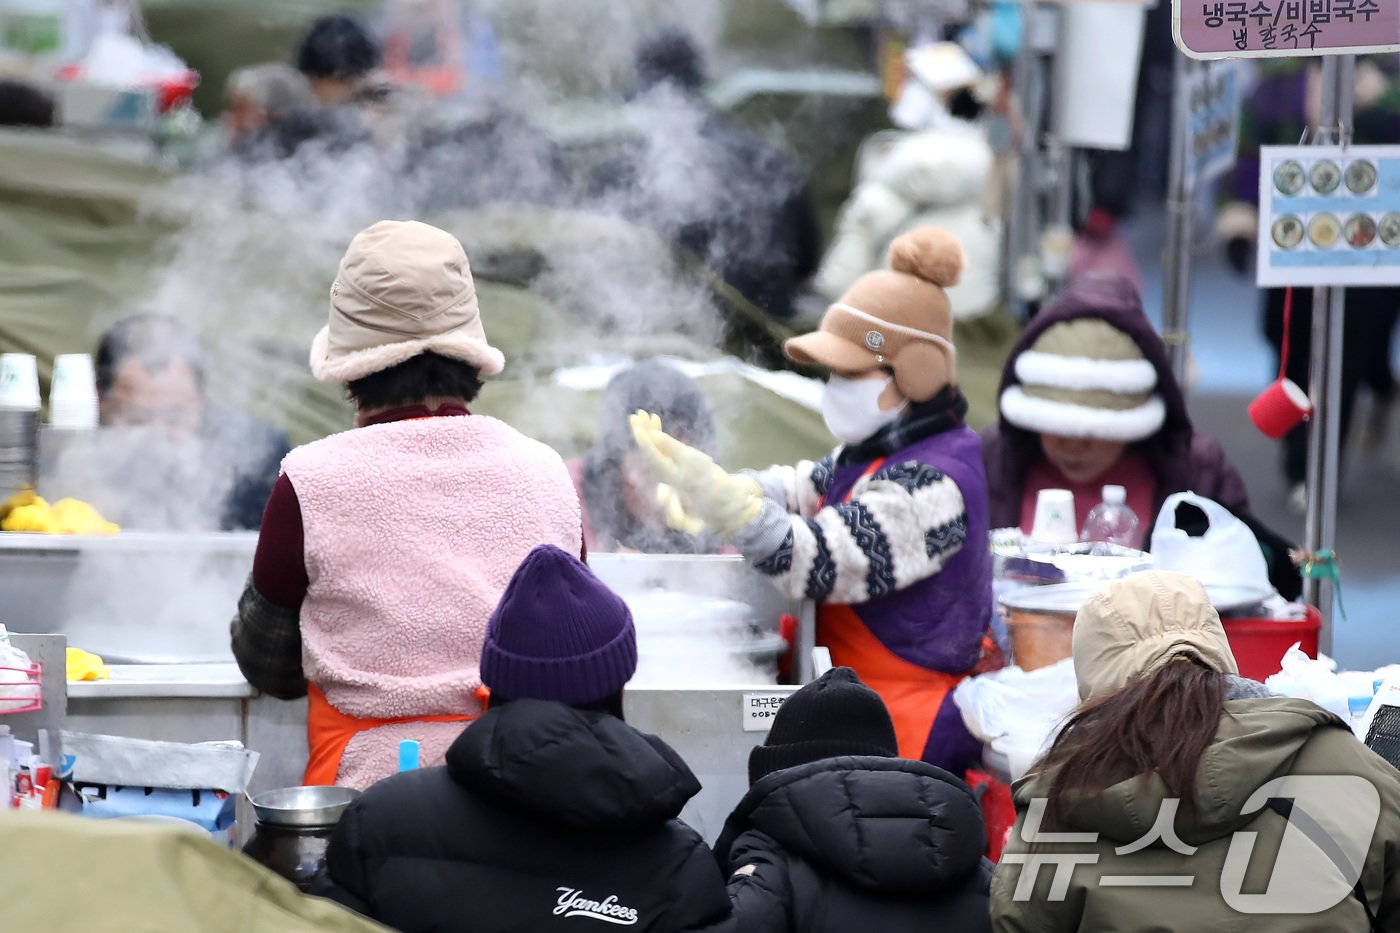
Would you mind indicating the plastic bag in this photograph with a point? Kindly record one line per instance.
(1227, 554)
(1017, 713)
(18, 688)
(118, 60)
(1318, 680)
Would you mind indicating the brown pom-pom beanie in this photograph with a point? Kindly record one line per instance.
(897, 318)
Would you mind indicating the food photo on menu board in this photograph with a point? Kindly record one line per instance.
(1330, 215)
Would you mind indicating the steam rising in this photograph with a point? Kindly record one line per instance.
(516, 176)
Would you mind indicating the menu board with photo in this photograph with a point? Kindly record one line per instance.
(1329, 215)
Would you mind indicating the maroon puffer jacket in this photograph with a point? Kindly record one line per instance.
(1181, 457)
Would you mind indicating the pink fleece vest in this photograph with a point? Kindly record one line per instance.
(413, 529)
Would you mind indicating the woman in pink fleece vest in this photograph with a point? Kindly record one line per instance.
(384, 549)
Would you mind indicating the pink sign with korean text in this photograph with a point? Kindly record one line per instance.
(1285, 28)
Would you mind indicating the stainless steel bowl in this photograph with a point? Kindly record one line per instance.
(303, 806)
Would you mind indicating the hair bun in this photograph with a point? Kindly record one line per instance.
(931, 253)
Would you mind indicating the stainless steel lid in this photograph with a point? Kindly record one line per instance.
(1068, 597)
(303, 806)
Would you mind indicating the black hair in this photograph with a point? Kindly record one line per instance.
(154, 340)
(427, 375)
(23, 104)
(339, 47)
(669, 56)
(964, 105)
(612, 705)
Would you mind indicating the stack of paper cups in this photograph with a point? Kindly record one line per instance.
(19, 382)
(1054, 518)
(19, 422)
(73, 397)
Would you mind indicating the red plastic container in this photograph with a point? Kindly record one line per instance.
(1258, 644)
(998, 810)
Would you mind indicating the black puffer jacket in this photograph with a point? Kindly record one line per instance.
(545, 818)
(858, 844)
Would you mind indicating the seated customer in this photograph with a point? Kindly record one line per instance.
(1088, 399)
(837, 833)
(260, 97)
(549, 805)
(168, 457)
(1174, 767)
(618, 494)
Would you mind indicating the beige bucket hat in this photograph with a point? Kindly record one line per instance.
(1138, 624)
(403, 288)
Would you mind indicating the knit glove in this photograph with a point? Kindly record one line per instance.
(693, 490)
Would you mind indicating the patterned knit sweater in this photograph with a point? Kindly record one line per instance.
(902, 524)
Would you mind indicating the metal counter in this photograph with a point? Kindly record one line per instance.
(165, 601)
(712, 729)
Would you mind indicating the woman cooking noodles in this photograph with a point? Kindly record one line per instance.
(384, 549)
(888, 534)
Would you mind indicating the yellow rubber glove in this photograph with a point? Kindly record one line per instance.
(36, 518)
(26, 496)
(75, 517)
(674, 512)
(702, 489)
(84, 665)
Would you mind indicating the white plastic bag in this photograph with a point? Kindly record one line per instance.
(17, 687)
(1227, 554)
(1017, 713)
(119, 60)
(1318, 679)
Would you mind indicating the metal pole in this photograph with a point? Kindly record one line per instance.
(1023, 233)
(1325, 372)
(1060, 160)
(1024, 181)
(1181, 210)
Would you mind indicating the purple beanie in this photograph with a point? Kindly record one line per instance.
(558, 634)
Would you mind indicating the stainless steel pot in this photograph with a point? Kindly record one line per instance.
(303, 806)
(294, 829)
(137, 597)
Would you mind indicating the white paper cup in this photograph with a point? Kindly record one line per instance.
(19, 381)
(73, 378)
(1055, 521)
(73, 394)
(76, 416)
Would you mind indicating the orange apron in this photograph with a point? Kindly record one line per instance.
(329, 731)
(912, 694)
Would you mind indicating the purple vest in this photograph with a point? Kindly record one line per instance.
(937, 623)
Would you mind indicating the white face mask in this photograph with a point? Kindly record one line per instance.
(851, 408)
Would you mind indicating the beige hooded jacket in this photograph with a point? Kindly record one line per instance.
(1236, 844)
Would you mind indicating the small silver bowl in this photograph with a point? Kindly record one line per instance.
(303, 806)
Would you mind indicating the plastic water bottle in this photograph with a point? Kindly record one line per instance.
(1111, 521)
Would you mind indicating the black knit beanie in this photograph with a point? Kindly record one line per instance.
(832, 716)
